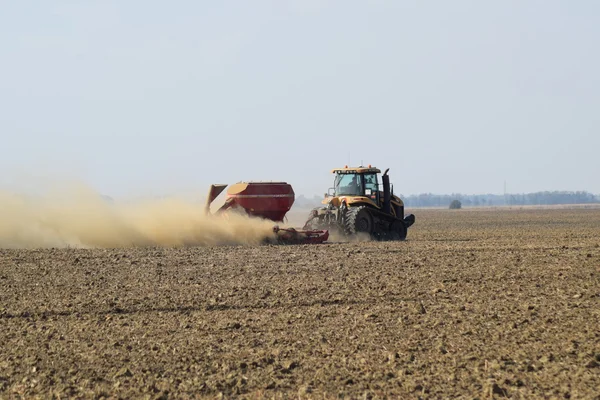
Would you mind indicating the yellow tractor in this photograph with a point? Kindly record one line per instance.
(362, 201)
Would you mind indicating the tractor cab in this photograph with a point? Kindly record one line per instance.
(359, 182)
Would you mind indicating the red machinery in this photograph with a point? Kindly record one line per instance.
(269, 200)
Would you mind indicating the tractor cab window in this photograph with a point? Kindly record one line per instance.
(371, 186)
(349, 184)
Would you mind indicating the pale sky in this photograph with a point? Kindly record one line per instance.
(153, 96)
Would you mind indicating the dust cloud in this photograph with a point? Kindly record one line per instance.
(80, 217)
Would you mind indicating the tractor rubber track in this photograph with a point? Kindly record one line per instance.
(353, 224)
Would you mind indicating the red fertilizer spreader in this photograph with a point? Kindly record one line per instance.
(267, 200)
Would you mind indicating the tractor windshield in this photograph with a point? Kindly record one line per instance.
(349, 184)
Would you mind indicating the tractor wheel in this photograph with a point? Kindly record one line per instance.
(399, 231)
(358, 219)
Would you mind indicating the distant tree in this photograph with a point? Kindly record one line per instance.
(455, 205)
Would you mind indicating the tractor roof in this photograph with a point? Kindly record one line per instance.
(356, 170)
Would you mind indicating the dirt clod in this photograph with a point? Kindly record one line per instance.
(496, 389)
(592, 364)
(123, 373)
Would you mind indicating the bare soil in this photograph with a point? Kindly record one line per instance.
(476, 304)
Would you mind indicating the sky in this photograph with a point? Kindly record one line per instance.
(153, 97)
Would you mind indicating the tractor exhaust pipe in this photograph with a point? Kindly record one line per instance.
(387, 194)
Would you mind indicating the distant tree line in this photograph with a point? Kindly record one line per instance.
(486, 200)
(479, 200)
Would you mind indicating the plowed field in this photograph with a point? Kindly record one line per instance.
(474, 304)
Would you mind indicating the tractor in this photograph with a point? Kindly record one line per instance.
(362, 201)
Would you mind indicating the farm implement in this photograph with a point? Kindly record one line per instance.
(267, 200)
